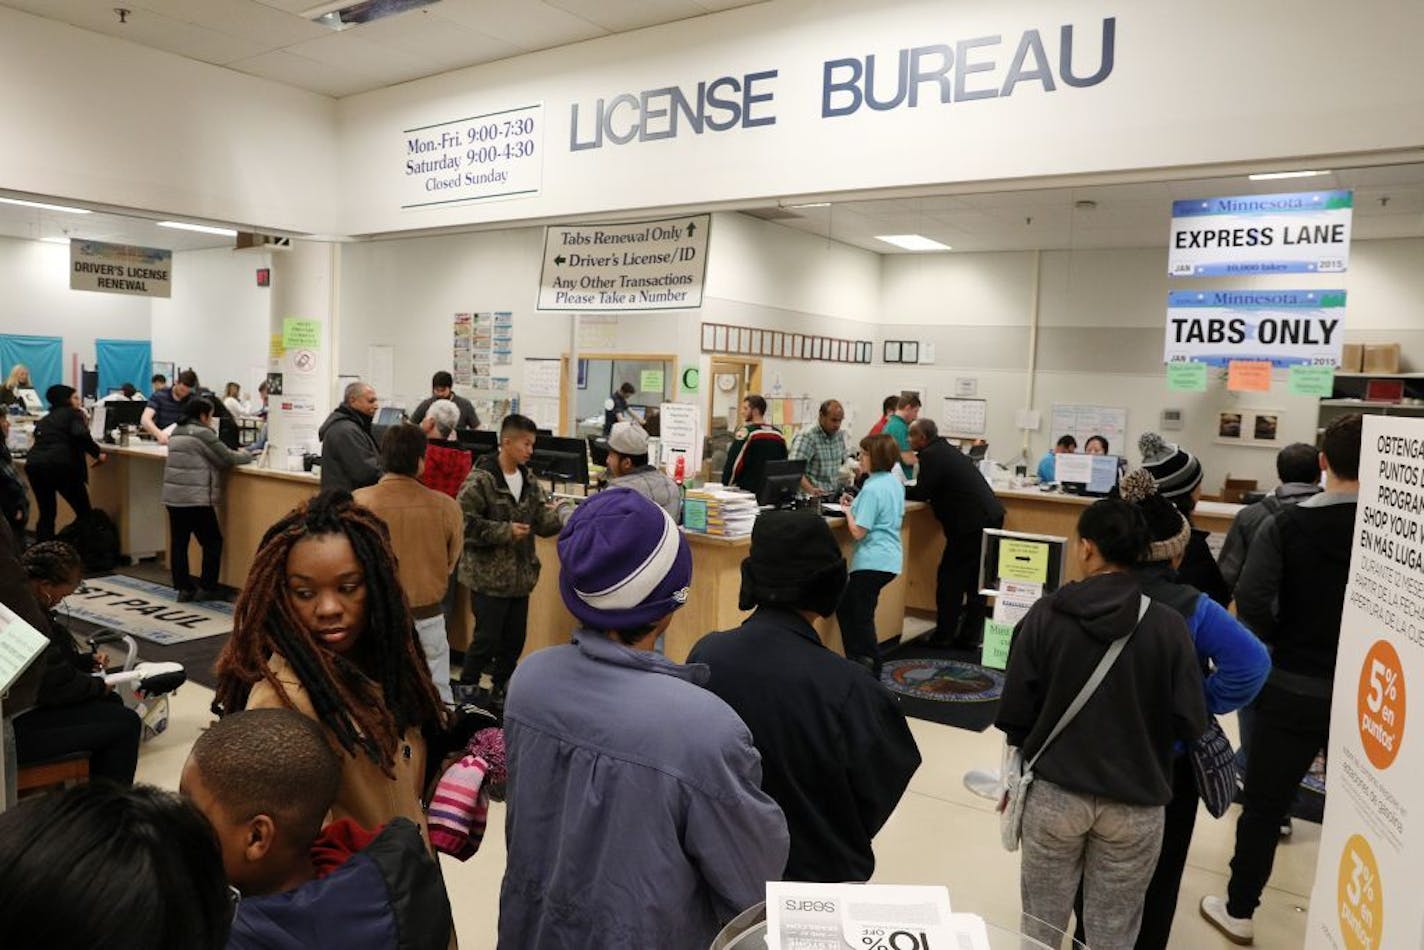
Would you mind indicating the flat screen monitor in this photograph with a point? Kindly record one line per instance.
(598, 451)
(1016, 557)
(478, 439)
(1088, 474)
(782, 482)
(560, 459)
(389, 416)
(979, 451)
(122, 412)
(31, 399)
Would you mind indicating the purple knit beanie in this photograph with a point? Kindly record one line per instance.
(623, 563)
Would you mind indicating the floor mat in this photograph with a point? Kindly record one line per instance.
(146, 610)
(944, 686)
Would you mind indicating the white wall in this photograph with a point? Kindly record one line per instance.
(37, 300)
(1101, 316)
(1283, 71)
(93, 118)
(218, 319)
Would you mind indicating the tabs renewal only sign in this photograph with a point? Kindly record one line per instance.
(634, 265)
(1284, 327)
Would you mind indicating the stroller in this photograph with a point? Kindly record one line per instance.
(144, 687)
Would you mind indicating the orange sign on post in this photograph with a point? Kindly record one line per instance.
(1249, 376)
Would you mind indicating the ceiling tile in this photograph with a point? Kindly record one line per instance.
(146, 28)
(286, 67)
(620, 15)
(289, 6)
(713, 6)
(435, 42)
(529, 24)
(247, 19)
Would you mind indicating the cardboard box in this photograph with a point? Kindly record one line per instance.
(1352, 357)
(1381, 358)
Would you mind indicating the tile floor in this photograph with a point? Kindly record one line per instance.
(941, 833)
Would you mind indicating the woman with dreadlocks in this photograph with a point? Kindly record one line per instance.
(323, 627)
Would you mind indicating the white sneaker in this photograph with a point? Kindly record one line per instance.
(1239, 930)
(1286, 828)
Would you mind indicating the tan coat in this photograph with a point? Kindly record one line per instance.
(367, 795)
(427, 533)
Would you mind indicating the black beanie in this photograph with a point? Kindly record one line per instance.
(1169, 529)
(795, 563)
(58, 395)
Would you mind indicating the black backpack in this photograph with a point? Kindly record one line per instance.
(96, 538)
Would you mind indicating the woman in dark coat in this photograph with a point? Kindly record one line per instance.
(56, 464)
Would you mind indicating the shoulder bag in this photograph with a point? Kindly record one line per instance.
(1214, 768)
(1018, 776)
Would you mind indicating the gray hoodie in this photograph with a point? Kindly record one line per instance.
(192, 476)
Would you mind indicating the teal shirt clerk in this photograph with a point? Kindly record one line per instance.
(879, 509)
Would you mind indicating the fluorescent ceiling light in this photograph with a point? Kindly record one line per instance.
(44, 207)
(341, 16)
(813, 204)
(55, 240)
(1272, 176)
(200, 228)
(913, 242)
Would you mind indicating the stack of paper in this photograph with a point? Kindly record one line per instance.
(730, 513)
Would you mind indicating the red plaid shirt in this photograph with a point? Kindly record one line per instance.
(446, 466)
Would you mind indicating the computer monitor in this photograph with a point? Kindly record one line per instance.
(31, 399)
(598, 451)
(477, 439)
(122, 412)
(389, 416)
(979, 451)
(560, 459)
(782, 482)
(1094, 475)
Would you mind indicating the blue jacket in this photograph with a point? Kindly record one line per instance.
(635, 815)
(387, 896)
(1234, 663)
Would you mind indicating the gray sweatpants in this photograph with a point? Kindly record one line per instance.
(1110, 846)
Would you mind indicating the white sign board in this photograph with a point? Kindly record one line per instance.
(494, 155)
(20, 645)
(1304, 233)
(639, 265)
(874, 916)
(680, 428)
(1083, 422)
(1283, 327)
(120, 269)
(1368, 875)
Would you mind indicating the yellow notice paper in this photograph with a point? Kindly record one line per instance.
(276, 350)
(298, 333)
(1023, 560)
(650, 381)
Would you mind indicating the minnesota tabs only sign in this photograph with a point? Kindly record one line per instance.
(636, 265)
(1284, 327)
(1303, 233)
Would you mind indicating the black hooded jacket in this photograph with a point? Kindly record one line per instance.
(349, 458)
(1120, 745)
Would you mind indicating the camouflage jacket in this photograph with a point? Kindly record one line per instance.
(493, 562)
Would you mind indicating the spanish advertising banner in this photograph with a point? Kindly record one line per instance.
(1369, 876)
(1283, 327)
(1248, 235)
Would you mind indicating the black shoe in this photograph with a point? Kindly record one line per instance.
(186, 596)
(208, 596)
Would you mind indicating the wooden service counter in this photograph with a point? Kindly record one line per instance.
(129, 486)
(716, 584)
(1032, 512)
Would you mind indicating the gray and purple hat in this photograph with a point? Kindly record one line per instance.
(623, 563)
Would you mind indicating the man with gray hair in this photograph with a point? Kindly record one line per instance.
(447, 463)
(349, 459)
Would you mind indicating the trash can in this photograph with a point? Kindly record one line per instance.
(746, 931)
